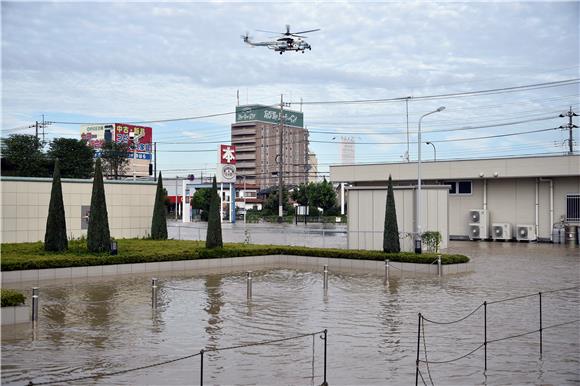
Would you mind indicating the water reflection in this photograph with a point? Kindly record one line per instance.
(106, 324)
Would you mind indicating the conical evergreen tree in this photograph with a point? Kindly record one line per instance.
(55, 236)
(98, 235)
(214, 224)
(391, 231)
(159, 221)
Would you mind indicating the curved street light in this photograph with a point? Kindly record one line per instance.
(434, 150)
(418, 212)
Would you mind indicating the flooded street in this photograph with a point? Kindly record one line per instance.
(104, 325)
(309, 235)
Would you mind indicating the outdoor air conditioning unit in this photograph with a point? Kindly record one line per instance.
(525, 232)
(478, 228)
(478, 216)
(501, 231)
(477, 232)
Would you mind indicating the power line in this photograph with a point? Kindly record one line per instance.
(535, 86)
(163, 120)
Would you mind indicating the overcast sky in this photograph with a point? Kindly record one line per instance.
(94, 62)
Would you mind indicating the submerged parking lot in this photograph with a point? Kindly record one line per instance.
(90, 326)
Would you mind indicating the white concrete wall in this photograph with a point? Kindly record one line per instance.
(513, 201)
(25, 207)
(367, 215)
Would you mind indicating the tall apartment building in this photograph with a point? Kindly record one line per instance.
(347, 150)
(256, 135)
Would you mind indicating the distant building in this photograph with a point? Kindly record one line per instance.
(256, 136)
(313, 165)
(520, 198)
(347, 156)
(97, 135)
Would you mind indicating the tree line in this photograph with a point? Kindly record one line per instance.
(26, 156)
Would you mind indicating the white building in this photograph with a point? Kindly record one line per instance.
(538, 192)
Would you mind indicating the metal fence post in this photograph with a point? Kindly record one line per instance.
(485, 334)
(540, 295)
(325, 383)
(325, 277)
(418, 346)
(154, 292)
(249, 284)
(201, 368)
(34, 304)
(386, 271)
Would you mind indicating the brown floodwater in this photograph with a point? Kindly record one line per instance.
(92, 326)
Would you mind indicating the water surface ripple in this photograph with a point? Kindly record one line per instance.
(103, 325)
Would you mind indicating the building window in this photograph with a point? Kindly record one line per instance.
(573, 207)
(459, 187)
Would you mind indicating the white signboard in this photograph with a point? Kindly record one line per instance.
(226, 165)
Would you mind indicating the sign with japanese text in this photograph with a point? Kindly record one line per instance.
(96, 135)
(226, 165)
(227, 154)
(268, 114)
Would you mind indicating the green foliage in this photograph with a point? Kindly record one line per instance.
(115, 161)
(323, 195)
(55, 235)
(75, 157)
(21, 256)
(270, 206)
(159, 221)
(11, 298)
(300, 194)
(98, 235)
(214, 224)
(432, 240)
(391, 230)
(201, 200)
(24, 156)
(319, 195)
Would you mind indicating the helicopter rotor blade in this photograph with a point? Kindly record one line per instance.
(270, 32)
(305, 32)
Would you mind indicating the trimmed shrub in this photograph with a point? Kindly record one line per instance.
(32, 256)
(11, 298)
(55, 235)
(391, 231)
(214, 224)
(159, 221)
(98, 235)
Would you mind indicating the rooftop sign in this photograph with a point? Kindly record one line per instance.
(268, 114)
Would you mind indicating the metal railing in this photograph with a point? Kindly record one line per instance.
(323, 335)
(421, 332)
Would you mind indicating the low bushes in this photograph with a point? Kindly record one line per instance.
(32, 256)
(11, 298)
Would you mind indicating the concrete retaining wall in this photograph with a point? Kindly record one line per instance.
(14, 315)
(229, 264)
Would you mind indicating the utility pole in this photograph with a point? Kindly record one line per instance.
(36, 130)
(407, 110)
(155, 155)
(570, 126)
(281, 161)
(43, 125)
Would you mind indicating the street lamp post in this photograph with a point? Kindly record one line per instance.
(418, 212)
(434, 150)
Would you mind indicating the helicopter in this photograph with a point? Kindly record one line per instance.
(288, 41)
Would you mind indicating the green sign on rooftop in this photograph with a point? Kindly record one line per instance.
(268, 114)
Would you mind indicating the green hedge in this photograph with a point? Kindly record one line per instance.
(32, 256)
(11, 298)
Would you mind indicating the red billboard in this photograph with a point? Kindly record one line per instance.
(143, 135)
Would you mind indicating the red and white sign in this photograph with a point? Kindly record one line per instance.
(226, 166)
(227, 154)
